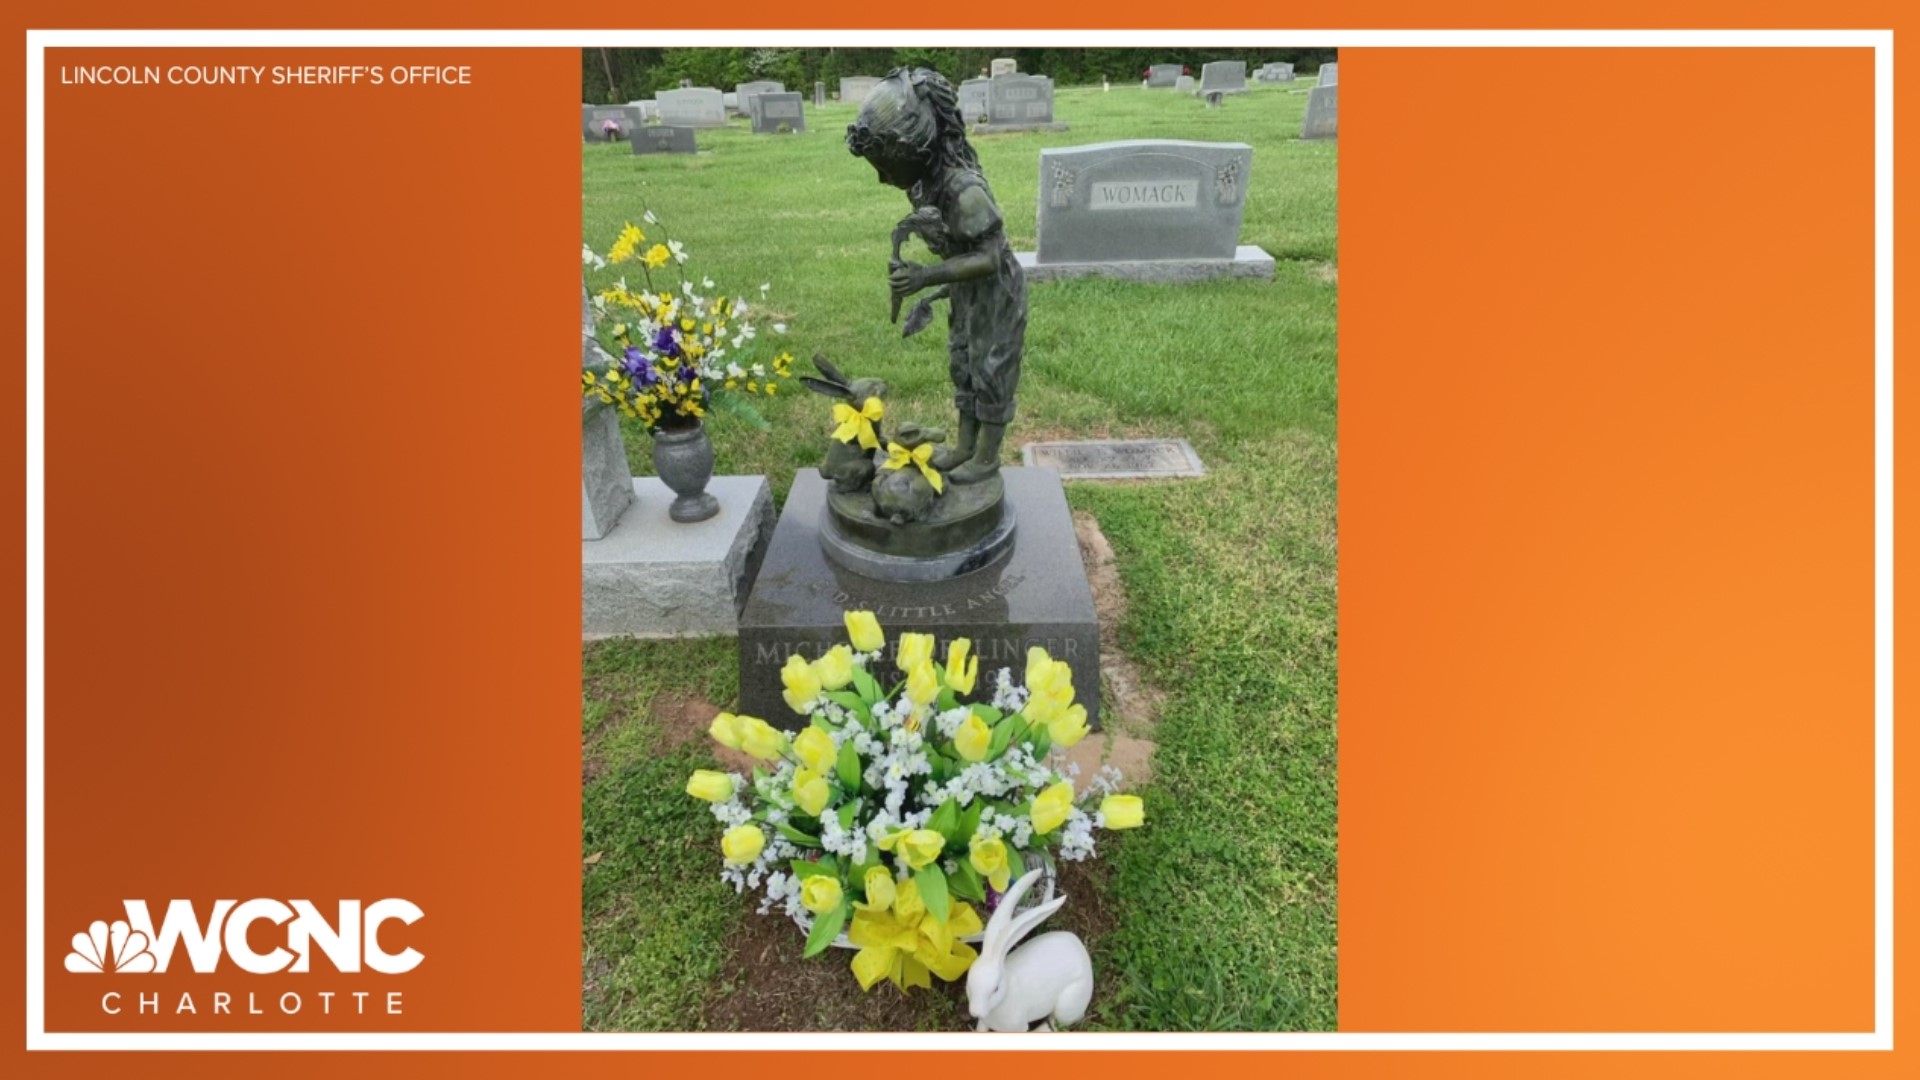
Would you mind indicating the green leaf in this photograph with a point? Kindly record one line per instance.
(863, 683)
(987, 713)
(797, 836)
(1042, 739)
(946, 701)
(826, 867)
(847, 811)
(945, 820)
(849, 767)
(965, 883)
(852, 702)
(825, 929)
(1002, 736)
(970, 821)
(737, 406)
(933, 890)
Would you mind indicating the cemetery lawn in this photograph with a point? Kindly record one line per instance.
(1220, 913)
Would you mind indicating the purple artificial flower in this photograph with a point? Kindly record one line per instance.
(639, 368)
(664, 342)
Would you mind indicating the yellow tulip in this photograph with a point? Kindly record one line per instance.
(916, 847)
(907, 904)
(820, 894)
(915, 649)
(880, 890)
(742, 844)
(761, 739)
(834, 669)
(922, 684)
(989, 856)
(803, 686)
(1049, 686)
(810, 792)
(1050, 807)
(726, 730)
(960, 673)
(709, 785)
(1122, 811)
(864, 631)
(816, 750)
(974, 739)
(1069, 727)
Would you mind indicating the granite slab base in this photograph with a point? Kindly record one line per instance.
(1036, 595)
(1249, 261)
(656, 578)
(1017, 129)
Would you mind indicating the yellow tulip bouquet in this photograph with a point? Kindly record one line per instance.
(903, 803)
(676, 349)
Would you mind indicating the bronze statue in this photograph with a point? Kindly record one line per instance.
(911, 132)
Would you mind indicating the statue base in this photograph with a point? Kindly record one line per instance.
(969, 528)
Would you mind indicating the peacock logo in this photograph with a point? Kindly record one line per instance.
(118, 948)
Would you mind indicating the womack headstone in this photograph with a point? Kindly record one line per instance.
(973, 101)
(1020, 103)
(595, 118)
(1225, 76)
(1144, 209)
(1330, 74)
(1161, 76)
(1004, 67)
(1323, 113)
(777, 114)
(662, 139)
(854, 88)
(699, 107)
(744, 93)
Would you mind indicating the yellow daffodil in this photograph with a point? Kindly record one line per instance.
(803, 686)
(864, 631)
(709, 785)
(815, 749)
(727, 730)
(989, 857)
(820, 894)
(973, 739)
(962, 670)
(742, 844)
(1122, 811)
(1050, 807)
(1069, 727)
(810, 792)
(907, 945)
(920, 457)
(834, 669)
(761, 739)
(657, 256)
(923, 685)
(858, 423)
(629, 242)
(915, 649)
(1049, 686)
(915, 847)
(880, 890)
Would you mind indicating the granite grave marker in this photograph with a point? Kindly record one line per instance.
(777, 113)
(1323, 113)
(854, 88)
(594, 118)
(1224, 76)
(1163, 76)
(698, 107)
(1020, 103)
(663, 139)
(1119, 459)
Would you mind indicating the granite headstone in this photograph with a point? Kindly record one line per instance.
(1274, 72)
(1224, 76)
(594, 120)
(819, 94)
(1163, 76)
(1020, 103)
(1004, 67)
(1323, 113)
(854, 88)
(663, 139)
(777, 113)
(698, 107)
(1184, 84)
(744, 92)
(973, 101)
(1329, 74)
(1116, 459)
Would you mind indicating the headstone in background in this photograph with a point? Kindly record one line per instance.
(1004, 67)
(606, 484)
(1161, 210)
(649, 110)
(594, 119)
(686, 84)
(819, 94)
(1329, 74)
(745, 91)
(854, 88)
(1183, 84)
(1274, 72)
(777, 114)
(1225, 76)
(1122, 459)
(663, 139)
(731, 102)
(973, 101)
(699, 107)
(1323, 113)
(1161, 76)
(1020, 103)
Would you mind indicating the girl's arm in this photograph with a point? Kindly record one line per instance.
(976, 217)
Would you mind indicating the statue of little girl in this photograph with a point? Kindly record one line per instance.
(911, 132)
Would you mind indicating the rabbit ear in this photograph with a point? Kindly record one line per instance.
(1024, 923)
(998, 936)
(826, 368)
(821, 386)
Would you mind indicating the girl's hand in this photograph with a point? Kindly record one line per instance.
(906, 278)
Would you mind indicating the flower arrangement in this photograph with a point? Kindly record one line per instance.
(677, 352)
(904, 803)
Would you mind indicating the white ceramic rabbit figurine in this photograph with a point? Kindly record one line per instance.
(1049, 978)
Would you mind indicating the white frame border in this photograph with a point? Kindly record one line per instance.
(1879, 1039)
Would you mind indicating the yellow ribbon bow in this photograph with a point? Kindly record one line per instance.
(898, 457)
(858, 423)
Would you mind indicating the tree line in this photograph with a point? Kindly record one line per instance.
(618, 75)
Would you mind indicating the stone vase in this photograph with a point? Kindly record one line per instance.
(683, 459)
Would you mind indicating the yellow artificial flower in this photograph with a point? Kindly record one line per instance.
(629, 242)
(989, 857)
(973, 739)
(761, 739)
(820, 894)
(803, 686)
(915, 847)
(920, 457)
(709, 785)
(922, 684)
(962, 670)
(1051, 806)
(657, 257)
(880, 890)
(815, 749)
(906, 944)
(742, 844)
(906, 901)
(864, 631)
(1122, 811)
(1049, 686)
(727, 730)
(834, 669)
(858, 423)
(810, 792)
(915, 649)
(1068, 727)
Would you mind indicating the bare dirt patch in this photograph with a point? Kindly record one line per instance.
(1129, 705)
(685, 718)
(766, 986)
(1327, 272)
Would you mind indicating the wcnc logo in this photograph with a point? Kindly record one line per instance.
(350, 941)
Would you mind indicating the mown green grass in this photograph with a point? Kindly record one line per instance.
(1226, 901)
